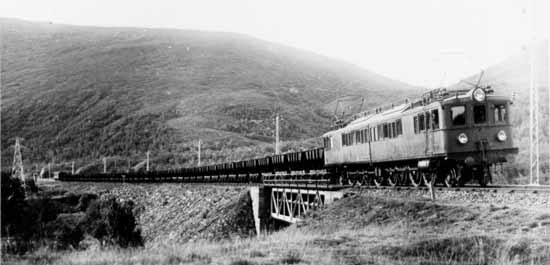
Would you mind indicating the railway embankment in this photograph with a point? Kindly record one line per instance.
(169, 213)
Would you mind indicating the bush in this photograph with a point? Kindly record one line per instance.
(13, 200)
(113, 222)
(63, 221)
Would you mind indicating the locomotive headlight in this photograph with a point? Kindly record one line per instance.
(462, 138)
(501, 136)
(479, 95)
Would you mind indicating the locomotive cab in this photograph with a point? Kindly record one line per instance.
(477, 132)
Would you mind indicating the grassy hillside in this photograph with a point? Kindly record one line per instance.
(512, 76)
(76, 92)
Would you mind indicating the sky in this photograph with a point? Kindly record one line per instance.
(422, 42)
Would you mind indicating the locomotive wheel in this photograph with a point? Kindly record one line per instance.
(345, 180)
(451, 179)
(378, 177)
(415, 177)
(393, 178)
(429, 178)
(484, 177)
(360, 180)
(365, 179)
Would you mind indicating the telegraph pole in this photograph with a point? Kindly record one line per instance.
(104, 165)
(199, 153)
(72, 168)
(148, 153)
(548, 86)
(534, 151)
(277, 149)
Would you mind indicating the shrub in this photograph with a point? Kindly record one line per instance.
(292, 257)
(113, 222)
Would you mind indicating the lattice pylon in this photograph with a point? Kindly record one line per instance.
(17, 170)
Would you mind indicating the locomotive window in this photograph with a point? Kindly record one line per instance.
(500, 113)
(399, 127)
(458, 115)
(393, 130)
(380, 133)
(415, 124)
(480, 115)
(385, 133)
(421, 122)
(428, 120)
(372, 139)
(435, 119)
(368, 136)
(327, 143)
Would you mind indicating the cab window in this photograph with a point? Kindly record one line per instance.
(428, 120)
(500, 113)
(435, 119)
(458, 115)
(421, 122)
(480, 114)
(327, 142)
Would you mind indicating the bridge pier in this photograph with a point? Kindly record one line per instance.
(260, 198)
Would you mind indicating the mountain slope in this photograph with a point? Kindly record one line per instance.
(85, 92)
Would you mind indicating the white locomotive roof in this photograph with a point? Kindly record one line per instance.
(376, 118)
(435, 98)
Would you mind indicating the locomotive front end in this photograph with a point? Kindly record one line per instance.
(479, 133)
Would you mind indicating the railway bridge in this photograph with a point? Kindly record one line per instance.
(289, 202)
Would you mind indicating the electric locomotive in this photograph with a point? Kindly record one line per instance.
(445, 136)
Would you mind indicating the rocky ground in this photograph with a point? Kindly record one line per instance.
(523, 200)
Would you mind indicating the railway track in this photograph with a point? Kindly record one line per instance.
(312, 184)
(491, 188)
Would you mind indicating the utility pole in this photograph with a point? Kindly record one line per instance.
(148, 153)
(199, 153)
(72, 168)
(277, 148)
(534, 151)
(17, 169)
(104, 165)
(548, 86)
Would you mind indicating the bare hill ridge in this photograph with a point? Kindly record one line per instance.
(85, 92)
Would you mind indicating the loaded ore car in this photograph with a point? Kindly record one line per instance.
(447, 136)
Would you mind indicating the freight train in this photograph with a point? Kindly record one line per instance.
(448, 137)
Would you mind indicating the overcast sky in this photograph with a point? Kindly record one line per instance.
(422, 42)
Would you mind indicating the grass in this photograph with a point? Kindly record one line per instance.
(372, 245)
